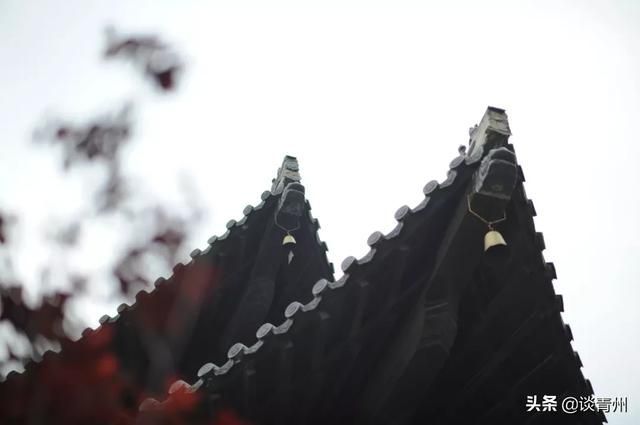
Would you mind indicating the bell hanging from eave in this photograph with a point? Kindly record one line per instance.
(493, 239)
(496, 252)
(289, 241)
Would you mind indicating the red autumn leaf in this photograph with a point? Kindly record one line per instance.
(228, 417)
(107, 365)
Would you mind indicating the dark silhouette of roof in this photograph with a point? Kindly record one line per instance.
(427, 327)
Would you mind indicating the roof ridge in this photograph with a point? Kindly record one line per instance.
(143, 293)
(493, 123)
(238, 350)
(286, 173)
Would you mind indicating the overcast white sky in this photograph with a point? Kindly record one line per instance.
(374, 98)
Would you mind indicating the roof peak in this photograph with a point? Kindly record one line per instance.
(492, 132)
(287, 173)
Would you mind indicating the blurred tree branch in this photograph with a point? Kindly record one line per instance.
(98, 143)
(157, 61)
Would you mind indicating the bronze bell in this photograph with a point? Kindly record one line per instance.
(493, 238)
(288, 240)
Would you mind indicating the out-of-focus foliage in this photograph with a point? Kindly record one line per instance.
(158, 62)
(45, 320)
(97, 143)
(105, 376)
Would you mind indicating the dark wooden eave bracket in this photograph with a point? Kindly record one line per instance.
(429, 330)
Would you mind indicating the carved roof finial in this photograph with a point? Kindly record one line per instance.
(492, 132)
(287, 173)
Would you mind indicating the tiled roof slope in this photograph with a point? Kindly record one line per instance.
(315, 364)
(184, 319)
(514, 342)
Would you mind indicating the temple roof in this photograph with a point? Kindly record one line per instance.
(425, 327)
(357, 348)
(196, 312)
